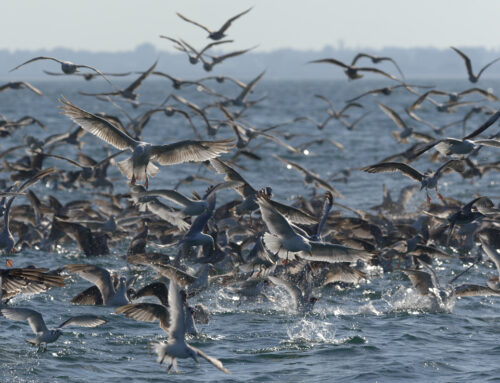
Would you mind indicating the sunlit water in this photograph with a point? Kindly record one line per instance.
(377, 331)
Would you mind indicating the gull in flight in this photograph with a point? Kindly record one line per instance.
(351, 71)
(468, 64)
(100, 277)
(218, 34)
(139, 166)
(302, 299)
(493, 282)
(20, 85)
(43, 334)
(176, 346)
(285, 238)
(428, 180)
(66, 66)
(427, 284)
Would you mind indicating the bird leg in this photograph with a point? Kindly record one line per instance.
(259, 272)
(132, 181)
(428, 198)
(146, 183)
(169, 367)
(285, 262)
(440, 196)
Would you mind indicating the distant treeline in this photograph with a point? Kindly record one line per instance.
(280, 64)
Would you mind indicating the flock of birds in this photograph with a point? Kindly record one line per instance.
(248, 244)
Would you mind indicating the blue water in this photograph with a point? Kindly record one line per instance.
(380, 330)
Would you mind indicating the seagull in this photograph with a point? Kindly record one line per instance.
(211, 130)
(456, 96)
(472, 77)
(240, 99)
(284, 239)
(43, 334)
(332, 111)
(152, 312)
(406, 130)
(6, 238)
(460, 148)
(376, 60)
(103, 280)
(493, 282)
(66, 66)
(351, 71)
(20, 85)
(427, 284)
(310, 177)
(195, 236)
(249, 194)
(139, 166)
(386, 91)
(128, 92)
(427, 180)
(191, 206)
(302, 299)
(192, 284)
(176, 346)
(448, 107)
(89, 76)
(208, 66)
(188, 49)
(218, 34)
(341, 272)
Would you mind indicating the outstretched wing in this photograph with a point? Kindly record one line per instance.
(216, 362)
(36, 59)
(146, 312)
(393, 167)
(83, 321)
(96, 275)
(33, 317)
(333, 253)
(330, 61)
(227, 24)
(193, 22)
(97, 126)
(189, 150)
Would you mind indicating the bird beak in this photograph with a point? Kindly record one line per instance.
(310, 253)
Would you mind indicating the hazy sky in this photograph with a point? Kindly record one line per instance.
(117, 25)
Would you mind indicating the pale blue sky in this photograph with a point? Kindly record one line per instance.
(118, 25)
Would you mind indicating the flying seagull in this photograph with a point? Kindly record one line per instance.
(66, 66)
(427, 180)
(176, 346)
(472, 77)
(218, 34)
(139, 166)
(43, 334)
(351, 71)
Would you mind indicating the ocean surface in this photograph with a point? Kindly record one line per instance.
(378, 331)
